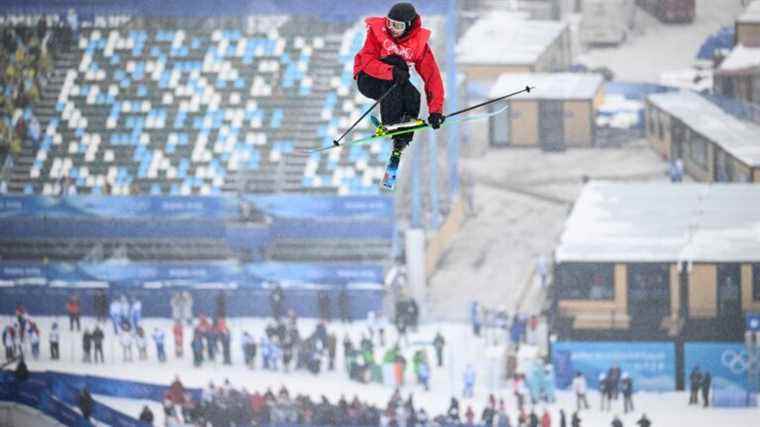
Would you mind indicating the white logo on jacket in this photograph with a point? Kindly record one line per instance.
(394, 49)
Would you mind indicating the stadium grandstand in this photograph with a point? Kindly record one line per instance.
(169, 110)
(194, 117)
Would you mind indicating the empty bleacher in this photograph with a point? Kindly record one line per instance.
(137, 108)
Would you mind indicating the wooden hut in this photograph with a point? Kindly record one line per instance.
(508, 43)
(738, 76)
(560, 112)
(748, 26)
(714, 145)
(651, 261)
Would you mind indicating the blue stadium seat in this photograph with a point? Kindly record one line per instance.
(145, 129)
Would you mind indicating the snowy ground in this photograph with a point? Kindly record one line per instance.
(522, 198)
(664, 409)
(655, 48)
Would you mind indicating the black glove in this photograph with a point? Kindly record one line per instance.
(400, 75)
(435, 120)
(395, 60)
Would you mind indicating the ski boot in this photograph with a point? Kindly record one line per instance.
(406, 123)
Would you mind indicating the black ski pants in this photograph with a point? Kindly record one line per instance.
(403, 100)
(54, 351)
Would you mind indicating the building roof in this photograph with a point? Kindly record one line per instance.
(741, 58)
(739, 138)
(751, 14)
(555, 86)
(657, 222)
(507, 39)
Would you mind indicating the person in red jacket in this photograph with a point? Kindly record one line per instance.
(391, 44)
(179, 335)
(72, 307)
(176, 392)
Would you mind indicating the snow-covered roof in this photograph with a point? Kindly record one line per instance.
(741, 58)
(751, 14)
(739, 138)
(656, 222)
(558, 86)
(506, 39)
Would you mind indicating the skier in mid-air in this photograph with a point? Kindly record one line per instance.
(393, 42)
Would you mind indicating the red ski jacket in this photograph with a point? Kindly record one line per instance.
(413, 48)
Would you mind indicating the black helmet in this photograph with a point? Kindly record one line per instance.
(403, 12)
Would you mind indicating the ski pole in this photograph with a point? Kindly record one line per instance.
(491, 101)
(336, 142)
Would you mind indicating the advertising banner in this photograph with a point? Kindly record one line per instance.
(651, 365)
(753, 322)
(249, 222)
(134, 207)
(728, 363)
(326, 273)
(189, 274)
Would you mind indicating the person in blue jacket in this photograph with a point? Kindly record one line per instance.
(158, 338)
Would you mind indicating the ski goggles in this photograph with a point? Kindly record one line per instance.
(396, 26)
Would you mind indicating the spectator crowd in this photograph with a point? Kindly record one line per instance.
(26, 59)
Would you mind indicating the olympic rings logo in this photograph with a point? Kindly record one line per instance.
(739, 362)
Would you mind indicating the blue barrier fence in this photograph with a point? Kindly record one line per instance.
(113, 387)
(51, 301)
(55, 394)
(44, 288)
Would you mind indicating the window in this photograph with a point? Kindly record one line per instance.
(660, 129)
(499, 127)
(649, 284)
(677, 131)
(727, 87)
(756, 282)
(729, 289)
(698, 151)
(721, 167)
(586, 281)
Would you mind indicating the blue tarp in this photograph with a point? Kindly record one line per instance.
(723, 39)
(635, 93)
